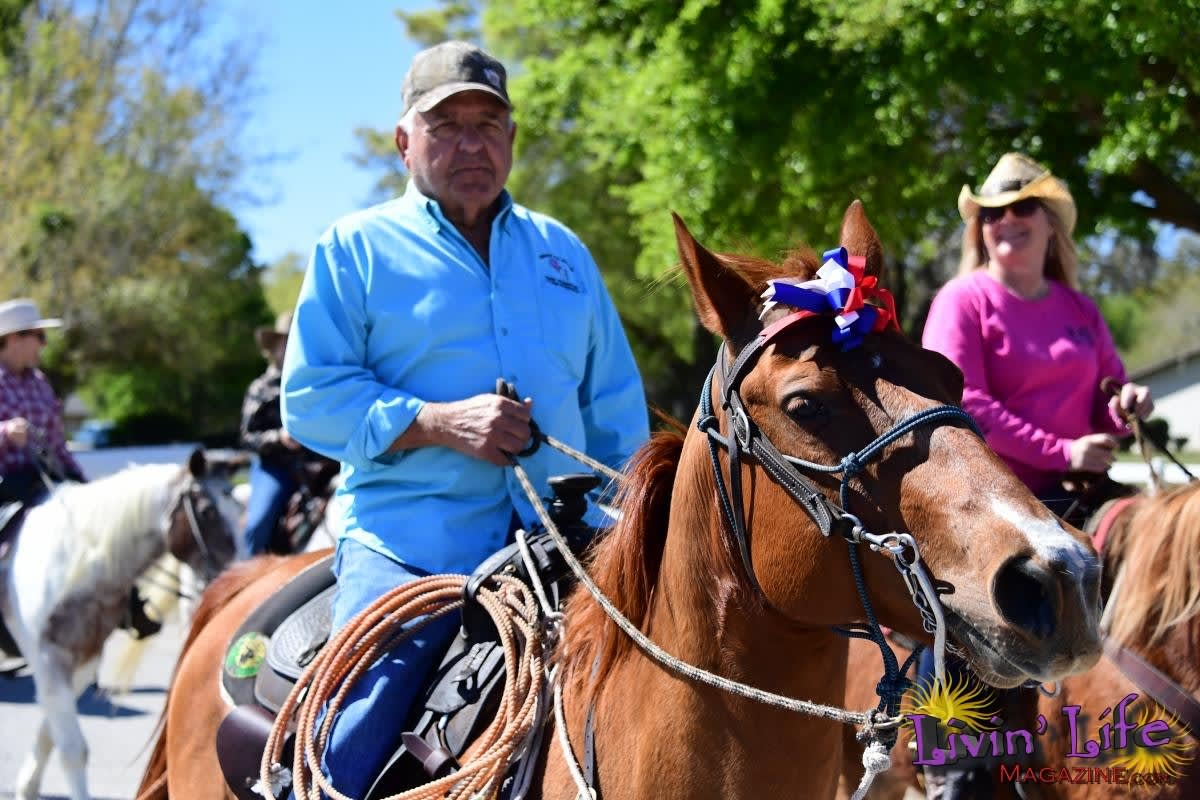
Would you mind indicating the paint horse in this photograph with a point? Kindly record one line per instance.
(742, 557)
(66, 588)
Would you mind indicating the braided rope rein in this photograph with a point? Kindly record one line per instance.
(876, 729)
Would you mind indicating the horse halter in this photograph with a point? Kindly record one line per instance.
(829, 517)
(186, 502)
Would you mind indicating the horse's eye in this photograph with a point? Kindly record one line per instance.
(802, 407)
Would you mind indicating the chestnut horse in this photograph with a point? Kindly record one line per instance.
(1153, 611)
(760, 608)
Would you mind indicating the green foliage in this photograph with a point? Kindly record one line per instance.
(118, 131)
(760, 120)
(1125, 316)
(1169, 322)
(281, 282)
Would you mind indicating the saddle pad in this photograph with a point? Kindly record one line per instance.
(1100, 524)
(247, 650)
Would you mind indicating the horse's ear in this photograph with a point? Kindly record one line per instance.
(197, 465)
(860, 239)
(723, 299)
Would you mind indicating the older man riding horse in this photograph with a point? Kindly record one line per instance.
(743, 556)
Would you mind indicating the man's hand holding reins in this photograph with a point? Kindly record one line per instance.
(487, 426)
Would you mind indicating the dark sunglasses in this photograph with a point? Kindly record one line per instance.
(40, 335)
(1021, 208)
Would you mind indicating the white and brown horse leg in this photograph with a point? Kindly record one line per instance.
(59, 683)
(29, 776)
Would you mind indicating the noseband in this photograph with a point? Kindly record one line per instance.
(829, 517)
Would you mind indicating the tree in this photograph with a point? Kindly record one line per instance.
(759, 120)
(281, 282)
(118, 134)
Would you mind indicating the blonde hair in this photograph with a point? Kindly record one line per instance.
(1062, 263)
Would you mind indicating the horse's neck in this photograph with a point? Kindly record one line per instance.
(667, 736)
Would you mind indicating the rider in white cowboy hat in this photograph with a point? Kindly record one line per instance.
(30, 424)
(1033, 350)
(30, 413)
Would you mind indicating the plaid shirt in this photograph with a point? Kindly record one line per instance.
(262, 427)
(28, 394)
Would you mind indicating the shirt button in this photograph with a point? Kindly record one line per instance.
(504, 331)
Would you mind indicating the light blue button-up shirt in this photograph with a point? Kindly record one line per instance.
(397, 310)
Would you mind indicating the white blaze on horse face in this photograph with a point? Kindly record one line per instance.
(1050, 541)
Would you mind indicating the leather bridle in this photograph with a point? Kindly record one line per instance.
(185, 503)
(831, 518)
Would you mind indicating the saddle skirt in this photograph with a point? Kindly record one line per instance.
(268, 654)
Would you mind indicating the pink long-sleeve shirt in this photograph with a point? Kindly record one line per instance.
(1032, 369)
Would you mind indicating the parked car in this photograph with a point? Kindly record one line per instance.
(93, 434)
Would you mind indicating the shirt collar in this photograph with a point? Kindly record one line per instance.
(431, 211)
(6, 372)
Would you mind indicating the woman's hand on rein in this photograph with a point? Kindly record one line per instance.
(1134, 399)
(1093, 453)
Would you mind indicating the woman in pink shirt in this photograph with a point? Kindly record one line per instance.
(1033, 349)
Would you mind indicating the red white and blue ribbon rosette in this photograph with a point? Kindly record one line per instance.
(858, 304)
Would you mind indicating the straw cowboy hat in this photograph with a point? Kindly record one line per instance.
(267, 337)
(22, 315)
(1016, 177)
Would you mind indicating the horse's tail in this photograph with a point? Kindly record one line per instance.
(219, 593)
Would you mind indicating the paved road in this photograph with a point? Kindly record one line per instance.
(117, 729)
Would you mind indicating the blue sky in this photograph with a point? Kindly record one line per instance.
(324, 70)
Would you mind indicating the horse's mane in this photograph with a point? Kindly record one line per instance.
(1160, 573)
(228, 585)
(624, 563)
(800, 263)
(101, 520)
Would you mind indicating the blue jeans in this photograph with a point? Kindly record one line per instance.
(270, 487)
(367, 729)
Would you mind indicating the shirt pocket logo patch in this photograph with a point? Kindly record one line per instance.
(558, 272)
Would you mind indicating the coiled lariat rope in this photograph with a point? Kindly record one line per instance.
(319, 694)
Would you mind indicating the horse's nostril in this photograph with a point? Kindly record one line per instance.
(1024, 594)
